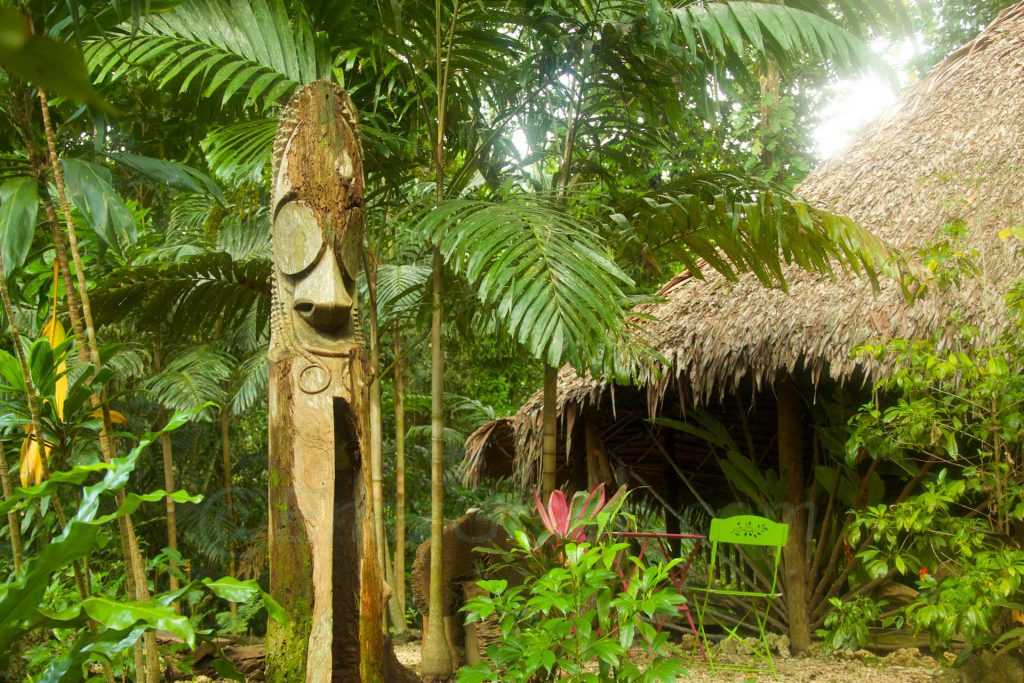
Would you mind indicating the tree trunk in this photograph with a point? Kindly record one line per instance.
(437, 660)
(135, 565)
(172, 519)
(229, 494)
(791, 465)
(13, 522)
(399, 578)
(549, 456)
(376, 428)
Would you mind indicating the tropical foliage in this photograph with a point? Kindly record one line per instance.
(533, 170)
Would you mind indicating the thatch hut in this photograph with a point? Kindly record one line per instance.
(757, 360)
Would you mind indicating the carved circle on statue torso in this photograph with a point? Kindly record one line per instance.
(314, 378)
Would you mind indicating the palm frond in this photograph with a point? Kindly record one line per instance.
(249, 382)
(191, 378)
(758, 235)
(400, 289)
(787, 34)
(547, 274)
(226, 48)
(194, 296)
(240, 152)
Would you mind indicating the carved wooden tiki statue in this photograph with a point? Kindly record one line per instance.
(322, 557)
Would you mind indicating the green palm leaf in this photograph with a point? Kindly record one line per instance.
(757, 235)
(240, 151)
(249, 383)
(787, 34)
(193, 378)
(204, 291)
(250, 47)
(400, 289)
(546, 273)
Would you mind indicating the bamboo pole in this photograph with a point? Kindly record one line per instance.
(399, 479)
(132, 553)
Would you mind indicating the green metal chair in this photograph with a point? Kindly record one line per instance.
(748, 576)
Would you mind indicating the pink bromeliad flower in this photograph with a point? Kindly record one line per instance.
(568, 521)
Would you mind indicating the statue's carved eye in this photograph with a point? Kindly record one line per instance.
(298, 241)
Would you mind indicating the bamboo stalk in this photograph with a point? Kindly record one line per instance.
(229, 496)
(376, 428)
(132, 552)
(168, 468)
(399, 478)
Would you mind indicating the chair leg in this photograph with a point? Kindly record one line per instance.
(693, 630)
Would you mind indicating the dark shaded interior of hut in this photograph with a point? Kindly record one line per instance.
(778, 451)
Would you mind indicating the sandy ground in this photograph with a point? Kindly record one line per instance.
(902, 666)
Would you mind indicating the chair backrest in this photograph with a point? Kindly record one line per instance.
(748, 530)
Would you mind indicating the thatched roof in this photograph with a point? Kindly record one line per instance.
(952, 151)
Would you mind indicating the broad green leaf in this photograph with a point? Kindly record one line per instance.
(40, 60)
(232, 589)
(91, 190)
(124, 615)
(19, 204)
(170, 173)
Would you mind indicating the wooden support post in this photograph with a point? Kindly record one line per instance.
(576, 451)
(549, 455)
(599, 470)
(791, 466)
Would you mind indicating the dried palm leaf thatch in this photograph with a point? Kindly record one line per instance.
(951, 152)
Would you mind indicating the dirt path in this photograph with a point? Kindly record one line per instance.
(902, 666)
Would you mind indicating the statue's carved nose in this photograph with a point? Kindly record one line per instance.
(321, 297)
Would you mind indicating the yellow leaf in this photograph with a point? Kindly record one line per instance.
(54, 332)
(115, 417)
(31, 469)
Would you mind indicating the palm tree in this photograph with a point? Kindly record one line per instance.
(542, 260)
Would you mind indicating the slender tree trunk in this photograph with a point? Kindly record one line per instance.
(172, 523)
(83, 357)
(13, 523)
(376, 428)
(172, 520)
(791, 464)
(133, 556)
(399, 478)
(229, 495)
(437, 660)
(549, 456)
(12, 517)
(394, 607)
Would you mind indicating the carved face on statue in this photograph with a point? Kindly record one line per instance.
(317, 223)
